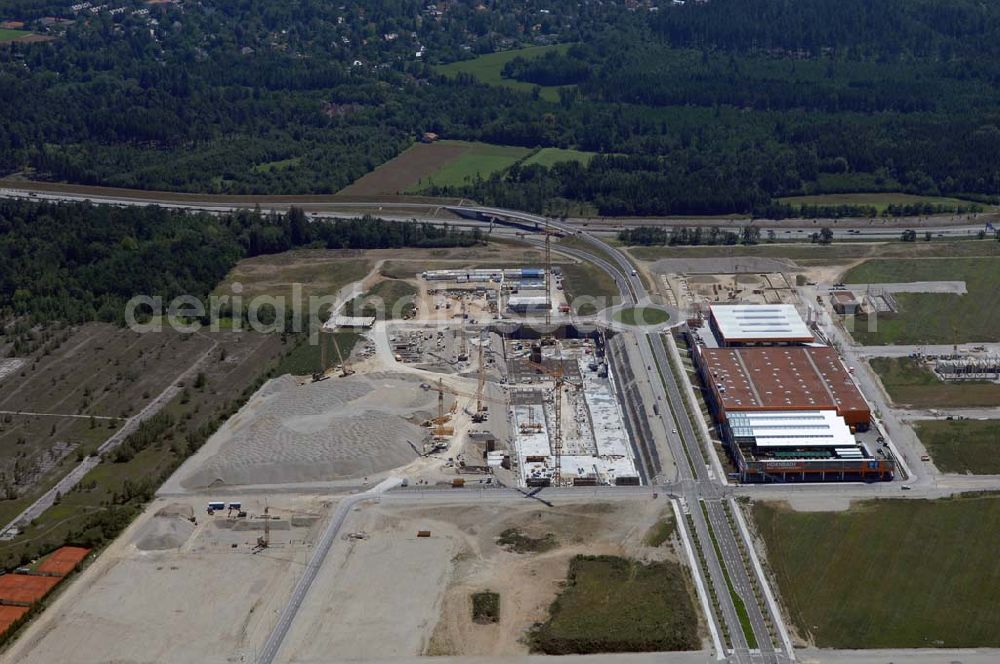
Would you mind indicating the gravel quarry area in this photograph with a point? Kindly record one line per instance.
(339, 428)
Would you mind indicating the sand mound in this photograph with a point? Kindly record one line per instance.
(164, 532)
(334, 429)
(177, 509)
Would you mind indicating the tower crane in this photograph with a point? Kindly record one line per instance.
(548, 277)
(264, 541)
(481, 377)
(463, 348)
(481, 408)
(558, 375)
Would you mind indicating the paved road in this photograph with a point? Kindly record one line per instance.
(903, 350)
(702, 493)
(721, 542)
(910, 414)
(792, 230)
(70, 415)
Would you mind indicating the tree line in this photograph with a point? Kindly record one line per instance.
(77, 262)
(689, 114)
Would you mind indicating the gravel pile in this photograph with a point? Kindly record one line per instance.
(164, 532)
(339, 428)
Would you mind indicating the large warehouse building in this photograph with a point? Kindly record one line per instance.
(801, 446)
(780, 378)
(758, 324)
(787, 408)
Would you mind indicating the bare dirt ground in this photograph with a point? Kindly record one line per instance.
(401, 173)
(192, 597)
(397, 594)
(319, 272)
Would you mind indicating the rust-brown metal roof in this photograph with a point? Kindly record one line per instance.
(782, 377)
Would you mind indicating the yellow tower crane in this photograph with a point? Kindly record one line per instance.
(478, 415)
(558, 375)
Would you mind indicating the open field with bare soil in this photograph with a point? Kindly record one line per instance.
(399, 594)
(319, 272)
(406, 170)
(323, 272)
(190, 584)
(294, 431)
(441, 163)
(194, 591)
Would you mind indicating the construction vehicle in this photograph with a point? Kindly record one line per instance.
(323, 373)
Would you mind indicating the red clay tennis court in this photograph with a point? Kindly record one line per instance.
(25, 589)
(9, 614)
(63, 560)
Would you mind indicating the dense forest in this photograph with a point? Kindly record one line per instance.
(80, 262)
(700, 108)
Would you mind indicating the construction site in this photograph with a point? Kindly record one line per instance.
(474, 402)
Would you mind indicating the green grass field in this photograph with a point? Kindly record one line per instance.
(485, 607)
(482, 159)
(304, 360)
(934, 318)
(890, 573)
(642, 316)
(487, 68)
(962, 446)
(396, 296)
(7, 35)
(549, 156)
(880, 201)
(806, 251)
(613, 604)
(582, 282)
(660, 532)
(909, 383)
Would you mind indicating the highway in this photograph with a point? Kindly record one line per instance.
(727, 558)
(796, 230)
